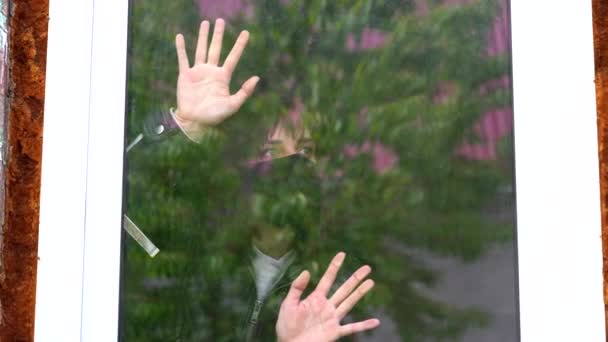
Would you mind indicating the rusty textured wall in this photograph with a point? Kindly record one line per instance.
(600, 33)
(27, 50)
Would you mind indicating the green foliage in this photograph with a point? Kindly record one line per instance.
(188, 198)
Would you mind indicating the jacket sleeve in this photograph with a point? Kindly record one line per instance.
(159, 125)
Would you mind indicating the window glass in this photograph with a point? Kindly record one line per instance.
(381, 129)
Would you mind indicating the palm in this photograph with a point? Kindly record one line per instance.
(203, 94)
(203, 90)
(314, 319)
(317, 318)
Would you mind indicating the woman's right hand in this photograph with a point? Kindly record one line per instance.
(317, 318)
(203, 92)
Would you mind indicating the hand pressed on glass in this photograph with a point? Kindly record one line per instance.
(317, 318)
(203, 92)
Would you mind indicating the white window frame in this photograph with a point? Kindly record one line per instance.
(557, 172)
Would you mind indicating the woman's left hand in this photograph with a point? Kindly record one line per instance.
(317, 318)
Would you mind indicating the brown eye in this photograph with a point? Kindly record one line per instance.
(306, 151)
(270, 152)
(266, 153)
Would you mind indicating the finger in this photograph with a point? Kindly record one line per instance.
(216, 43)
(201, 45)
(237, 50)
(182, 56)
(330, 275)
(243, 94)
(297, 288)
(353, 328)
(349, 285)
(345, 307)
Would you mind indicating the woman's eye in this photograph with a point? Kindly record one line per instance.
(268, 153)
(305, 150)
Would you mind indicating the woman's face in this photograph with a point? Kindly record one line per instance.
(284, 172)
(284, 141)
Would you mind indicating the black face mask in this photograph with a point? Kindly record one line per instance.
(284, 195)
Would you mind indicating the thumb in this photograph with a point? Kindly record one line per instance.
(243, 94)
(297, 288)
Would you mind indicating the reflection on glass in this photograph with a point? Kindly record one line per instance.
(377, 128)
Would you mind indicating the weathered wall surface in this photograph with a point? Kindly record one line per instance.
(600, 30)
(27, 51)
